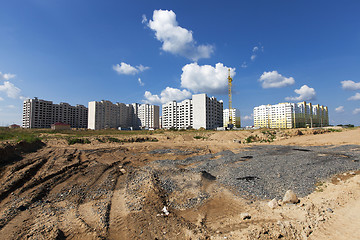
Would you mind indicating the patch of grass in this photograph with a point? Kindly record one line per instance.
(72, 141)
(199, 137)
(112, 139)
(28, 138)
(334, 130)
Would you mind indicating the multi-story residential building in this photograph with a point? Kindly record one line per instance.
(105, 114)
(198, 112)
(177, 114)
(235, 117)
(38, 113)
(148, 116)
(291, 115)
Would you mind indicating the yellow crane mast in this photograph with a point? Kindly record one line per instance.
(230, 99)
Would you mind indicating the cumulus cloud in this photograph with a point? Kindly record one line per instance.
(6, 76)
(305, 94)
(253, 57)
(167, 95)
(140, 82)
(175, 39)
(244, 65)
(127, 69)
(206, 78)
(356, 111)
(248, 117)
(339, 109)
(10, 89)
(350, 85)
(355, 97)
(275, 80)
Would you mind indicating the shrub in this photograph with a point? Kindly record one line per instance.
(72, 141)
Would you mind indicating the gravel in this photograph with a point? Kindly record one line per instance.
(266, 172)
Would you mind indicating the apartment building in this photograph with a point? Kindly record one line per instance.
(177, 114)
(291, 115)
(235, 117)
(38, 113)
(105, 114)
(198, 112)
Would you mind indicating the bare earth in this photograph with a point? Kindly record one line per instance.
(111, 191)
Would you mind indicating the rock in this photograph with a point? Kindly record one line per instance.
(352, 173)
(329, 210)
(122, 170)
(290, 197)
(245, 216)
(273, 203)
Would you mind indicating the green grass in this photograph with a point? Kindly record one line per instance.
(72, 141)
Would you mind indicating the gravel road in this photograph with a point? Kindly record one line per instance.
(265, 172)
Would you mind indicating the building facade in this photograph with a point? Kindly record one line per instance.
(38, 113)
(198, 112)
(105, 114)
(235, 117)
(291, 115)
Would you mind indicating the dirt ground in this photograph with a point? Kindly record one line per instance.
(105, 190)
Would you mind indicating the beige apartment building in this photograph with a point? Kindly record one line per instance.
(38, 113)
(105, 114)
(291, 115)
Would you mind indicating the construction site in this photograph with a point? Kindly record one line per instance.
(182, 185)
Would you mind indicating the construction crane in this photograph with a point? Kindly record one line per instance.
(230, 124)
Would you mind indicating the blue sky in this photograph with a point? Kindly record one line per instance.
(155, 51)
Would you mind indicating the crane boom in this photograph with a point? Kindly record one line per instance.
(230, 99)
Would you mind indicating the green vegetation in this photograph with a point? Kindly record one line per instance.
(199, 137)
(250, 139)
(72, 141)
(334, 130)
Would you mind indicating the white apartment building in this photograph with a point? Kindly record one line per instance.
(235, 117)
(198, 112)
(105, 114)
(290, 115)
(38, 113)
(177, 115)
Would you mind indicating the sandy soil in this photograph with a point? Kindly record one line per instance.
(103, 191)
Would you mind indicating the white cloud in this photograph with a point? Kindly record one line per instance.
(256, 48)
(275, 80)
(339, 109)
(253, 57)
(1, 99)
(140, 82)
(127, 69)
(142, 68)
(248, 117)
(6, 76)
(305, 94)
(144, 19)
(175, 39)
(350, 85)
(10, 89)
(244, 65)
(206, 78)
(356, 111)
(11, 106)
(355, 97)
(167, 95)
